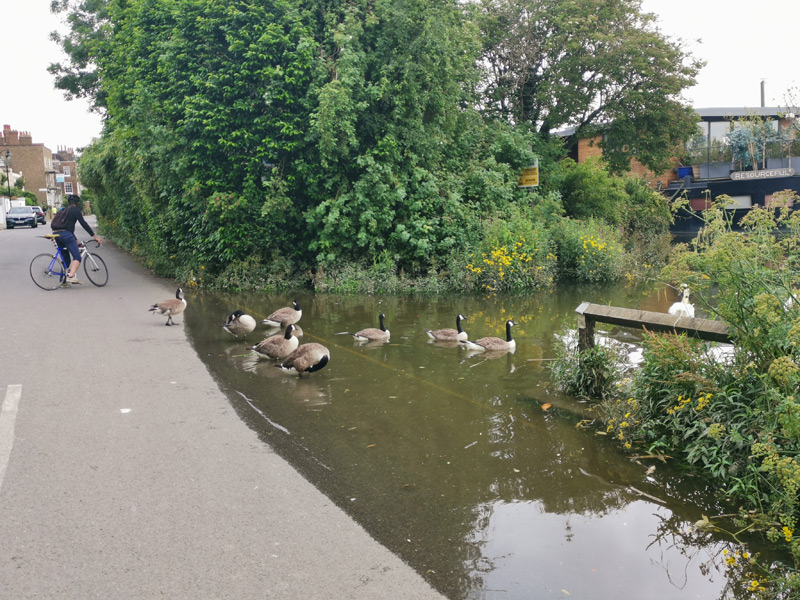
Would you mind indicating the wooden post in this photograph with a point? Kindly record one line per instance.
(585, 329)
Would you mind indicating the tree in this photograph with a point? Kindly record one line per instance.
(85, 44)
(596, 66)
(748, 140)
(339, 129)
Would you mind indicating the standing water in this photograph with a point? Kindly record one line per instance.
(469, 466)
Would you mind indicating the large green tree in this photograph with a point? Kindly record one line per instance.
(242, 128)
(590, 66)
(204, 100)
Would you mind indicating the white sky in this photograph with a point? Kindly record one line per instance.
(28, 98)
(742, 43)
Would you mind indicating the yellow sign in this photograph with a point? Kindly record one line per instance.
(530, 176)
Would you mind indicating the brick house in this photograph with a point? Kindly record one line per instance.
(34, 163)
(65, 165)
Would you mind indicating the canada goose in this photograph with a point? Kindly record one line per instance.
(682, 308)
(171, 307)
(288, 315)
(373, 334)
(493, 343)
(449, 335)
(278, 346)
(239, 324)
(306, 358)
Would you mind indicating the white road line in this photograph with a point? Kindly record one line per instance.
(8, 417)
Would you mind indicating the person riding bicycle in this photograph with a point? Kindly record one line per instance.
(66, 235)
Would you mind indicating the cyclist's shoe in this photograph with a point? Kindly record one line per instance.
(74, 280)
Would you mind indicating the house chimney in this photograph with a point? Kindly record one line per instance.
(11, 136)
(762, 93)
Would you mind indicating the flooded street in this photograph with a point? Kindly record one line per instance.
(454, 460)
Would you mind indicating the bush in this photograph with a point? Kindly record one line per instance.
(734, 421)
(588, 251)
(591, 373)
(589, 191)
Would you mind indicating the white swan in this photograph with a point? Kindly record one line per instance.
(683, 308)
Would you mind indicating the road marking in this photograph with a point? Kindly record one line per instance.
(8, 417)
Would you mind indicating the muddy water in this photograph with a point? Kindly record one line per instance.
(451, 460)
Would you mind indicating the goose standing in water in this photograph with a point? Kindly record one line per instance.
(288, 315)
(279, 345)
(493, 344)
(373, 334)
(449, 335)
(682, 308)
(173, 306)
(239, 324)
(307, 358)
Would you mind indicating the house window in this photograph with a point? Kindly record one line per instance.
(66, 172)
(700, 203)
(740, 202)
(779, 200)
(68, 188)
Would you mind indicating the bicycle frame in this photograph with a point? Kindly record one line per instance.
(50, 271)
(66, 258)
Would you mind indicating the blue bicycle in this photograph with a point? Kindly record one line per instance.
(49, 271)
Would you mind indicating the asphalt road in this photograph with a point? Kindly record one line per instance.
(125, 473)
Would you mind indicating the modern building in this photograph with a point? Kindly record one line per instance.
(34, 163)
(747, 154)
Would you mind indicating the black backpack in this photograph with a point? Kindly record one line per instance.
(60, 220)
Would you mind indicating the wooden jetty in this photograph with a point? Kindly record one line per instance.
(589, 314)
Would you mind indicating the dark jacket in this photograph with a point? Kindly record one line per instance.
(74, 215)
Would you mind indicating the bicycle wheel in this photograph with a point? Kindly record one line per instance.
(47, 271)
(95, 268)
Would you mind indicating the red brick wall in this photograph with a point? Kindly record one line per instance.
(588, 148)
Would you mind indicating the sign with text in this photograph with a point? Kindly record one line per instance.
(530, 176)
(762, 174)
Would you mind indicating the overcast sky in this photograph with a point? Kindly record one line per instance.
(742, 44)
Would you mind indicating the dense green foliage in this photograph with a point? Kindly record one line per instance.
(733, 417)
(249, 141)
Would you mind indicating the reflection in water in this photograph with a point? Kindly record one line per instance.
(530, 552)
(449, 459)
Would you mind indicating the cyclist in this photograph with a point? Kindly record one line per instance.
(66, 235)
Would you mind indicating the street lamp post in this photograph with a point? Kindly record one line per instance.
(8, 178)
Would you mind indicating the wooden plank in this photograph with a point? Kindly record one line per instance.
(705, 329)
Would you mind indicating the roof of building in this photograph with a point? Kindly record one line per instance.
(717, 113)
(722, 113)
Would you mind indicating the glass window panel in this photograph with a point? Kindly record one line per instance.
(718, 129)
(740, 202)
(774, 149)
